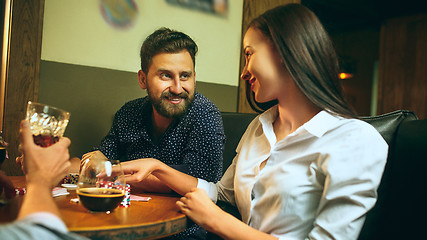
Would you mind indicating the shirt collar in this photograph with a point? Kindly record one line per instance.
(269, 116)
(316, 126)
(321, 123)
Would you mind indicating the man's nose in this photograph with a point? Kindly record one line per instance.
(176, 87)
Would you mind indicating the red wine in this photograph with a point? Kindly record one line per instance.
(100, 199)
(45, 140)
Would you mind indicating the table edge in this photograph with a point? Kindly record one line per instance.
(154, 230)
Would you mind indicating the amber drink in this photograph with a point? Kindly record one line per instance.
(101, 184)
(100, 199)
(47, 123)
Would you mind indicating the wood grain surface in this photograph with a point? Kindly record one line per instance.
(22, 72)
(159, 217)
(402, 77)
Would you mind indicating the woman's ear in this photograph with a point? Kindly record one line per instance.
(142, 79)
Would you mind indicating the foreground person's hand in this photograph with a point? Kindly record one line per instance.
(45, 166)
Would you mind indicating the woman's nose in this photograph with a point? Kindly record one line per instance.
(245, 74)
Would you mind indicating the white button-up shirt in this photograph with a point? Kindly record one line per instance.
(318, 182)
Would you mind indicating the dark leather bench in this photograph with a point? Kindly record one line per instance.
(402, 188)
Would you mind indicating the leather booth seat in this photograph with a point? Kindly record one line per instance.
(400, 209)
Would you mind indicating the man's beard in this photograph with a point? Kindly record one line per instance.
(167, 109)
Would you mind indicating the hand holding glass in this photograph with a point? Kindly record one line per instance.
(47, 123)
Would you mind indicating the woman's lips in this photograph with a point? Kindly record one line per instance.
(251, 82)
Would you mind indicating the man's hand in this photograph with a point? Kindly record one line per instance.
(93, 155)
(43, 165)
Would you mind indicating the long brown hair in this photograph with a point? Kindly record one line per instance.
(308, 55)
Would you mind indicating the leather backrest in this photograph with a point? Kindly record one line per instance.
(235, 125)
(387, 124)
(407, 205)
(377, 224)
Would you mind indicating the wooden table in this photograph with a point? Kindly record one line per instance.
(159, 217)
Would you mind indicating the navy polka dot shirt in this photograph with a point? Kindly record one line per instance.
(193, 143)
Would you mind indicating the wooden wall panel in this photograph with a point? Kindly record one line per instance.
(252, 9)
(402, 77)
(23, 72)
(361, 47)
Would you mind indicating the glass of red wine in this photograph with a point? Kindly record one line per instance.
(47, 123)
(101, 185)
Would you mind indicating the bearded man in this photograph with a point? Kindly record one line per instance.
(173, 124)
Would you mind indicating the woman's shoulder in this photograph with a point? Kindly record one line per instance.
(358, 130)
(353, 124)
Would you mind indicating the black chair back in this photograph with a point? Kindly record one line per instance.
(381, 220)
(235, 125)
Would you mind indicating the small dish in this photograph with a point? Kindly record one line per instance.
(69, 186)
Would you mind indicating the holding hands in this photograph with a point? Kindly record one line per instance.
(195, 203)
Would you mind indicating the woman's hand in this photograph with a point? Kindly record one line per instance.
(159, 176)
(136, 170)
(197, 205)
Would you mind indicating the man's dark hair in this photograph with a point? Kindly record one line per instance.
(165, 40)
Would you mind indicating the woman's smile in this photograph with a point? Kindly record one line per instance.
(252, 83)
